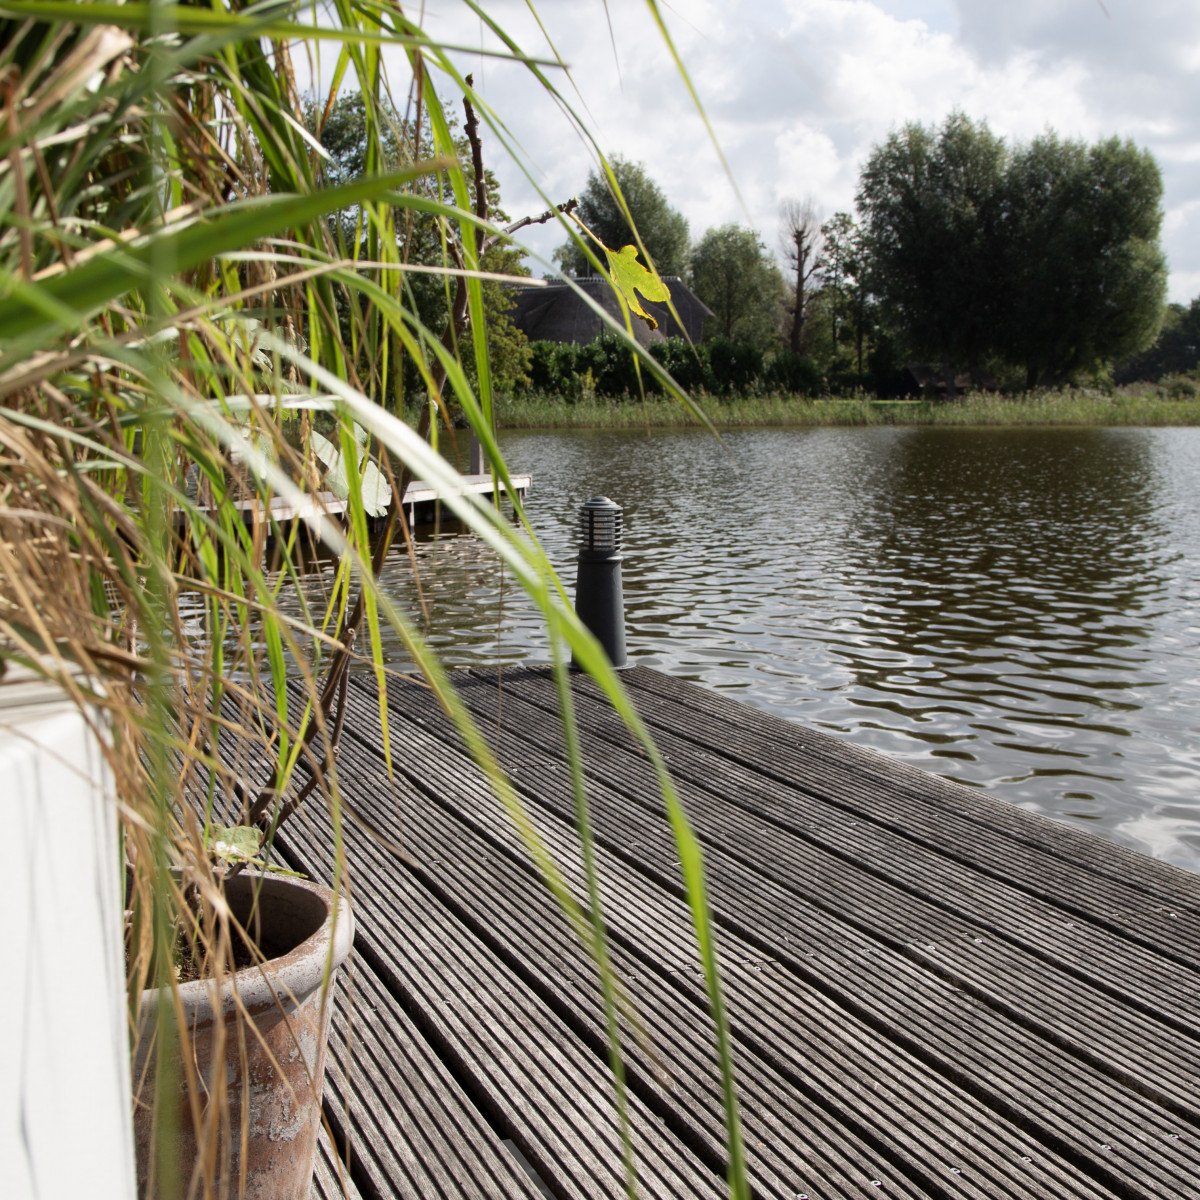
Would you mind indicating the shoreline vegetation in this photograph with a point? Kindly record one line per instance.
(1145, 405)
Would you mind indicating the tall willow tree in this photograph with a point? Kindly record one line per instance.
(931, 204)
(174, 306)
(1042, 257)
(1086, 277)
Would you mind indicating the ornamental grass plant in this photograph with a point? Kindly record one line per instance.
(182, 292)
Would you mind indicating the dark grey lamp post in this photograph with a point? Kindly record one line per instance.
(599, 603)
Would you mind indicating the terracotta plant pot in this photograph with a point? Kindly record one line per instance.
(277, 1112)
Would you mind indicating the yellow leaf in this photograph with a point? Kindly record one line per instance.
(631, 277)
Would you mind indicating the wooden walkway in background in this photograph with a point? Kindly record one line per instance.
(421, 502)
(933, 994)
(421, 498)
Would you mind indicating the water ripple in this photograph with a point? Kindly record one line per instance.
(1013, 609)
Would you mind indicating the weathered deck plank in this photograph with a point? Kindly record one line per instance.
(1056, 861)
(932, 995)
(984, 1050)
(529, 927)
(330, 1179)
(521, 1063)
(840, 1097)
(406, 1128)
(894, 888)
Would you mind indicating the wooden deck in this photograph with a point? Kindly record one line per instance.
(933, 994)
(420, 501)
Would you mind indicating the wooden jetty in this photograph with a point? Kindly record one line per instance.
(932, 993)
(420, 501)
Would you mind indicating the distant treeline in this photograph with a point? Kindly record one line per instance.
(970, 261)
(1174, 355)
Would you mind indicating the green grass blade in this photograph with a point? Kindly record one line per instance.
(82, 290)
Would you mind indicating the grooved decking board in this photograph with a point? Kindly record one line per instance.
(407, 1129)
(330, 1180)
(522, 1064)
(815, 1081)
(931, 993)
(1065, 864)
(899, 892)
(1032, 1080)
(555, 967)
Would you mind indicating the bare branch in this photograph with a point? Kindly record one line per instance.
(565, 209)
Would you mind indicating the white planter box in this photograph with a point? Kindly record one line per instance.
(65, 1126)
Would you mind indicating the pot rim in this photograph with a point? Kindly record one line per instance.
(277, 982)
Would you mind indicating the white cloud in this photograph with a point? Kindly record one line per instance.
(799, 91)
(806, 162)
(1179, 217)
(1187, 285)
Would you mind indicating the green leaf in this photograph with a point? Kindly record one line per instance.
(631, 277)
(234, 843)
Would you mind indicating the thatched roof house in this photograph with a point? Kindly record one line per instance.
(555, 312)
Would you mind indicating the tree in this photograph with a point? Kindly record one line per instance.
(360, 137)
(734, 276)
(1083, 247)
(932, 208)
(802, 243)
(1175, 351)
(1044, 257)
(662, 230)
(842, 271)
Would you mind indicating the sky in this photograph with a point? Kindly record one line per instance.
(799, 91)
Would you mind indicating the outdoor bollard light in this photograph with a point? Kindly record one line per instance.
(599, 603)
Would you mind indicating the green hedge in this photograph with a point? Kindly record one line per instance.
(720, 367)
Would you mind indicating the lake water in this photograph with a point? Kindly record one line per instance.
(1014, 609)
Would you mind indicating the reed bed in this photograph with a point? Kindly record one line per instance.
(1083, 407)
